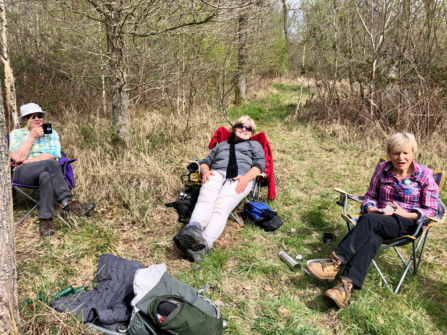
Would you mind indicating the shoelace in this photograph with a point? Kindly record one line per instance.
(328, 262)
(344, 287)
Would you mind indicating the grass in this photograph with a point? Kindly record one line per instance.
(261, 294)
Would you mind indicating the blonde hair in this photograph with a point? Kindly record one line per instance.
(245, 120)
(398, 141)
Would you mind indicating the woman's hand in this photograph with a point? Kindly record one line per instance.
(372, 209)
(242, 184)
(206, 175)
(35, 133)
(402, 212)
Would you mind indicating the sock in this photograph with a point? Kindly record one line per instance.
(341, 258)
(194, 224)
(64, 202)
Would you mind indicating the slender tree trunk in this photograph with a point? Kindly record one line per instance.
(239, 94)
(302, 82)
(11, 104)
(9, 308)
(285, 13)
(118, 74)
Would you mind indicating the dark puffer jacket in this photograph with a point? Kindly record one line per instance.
(109, 302)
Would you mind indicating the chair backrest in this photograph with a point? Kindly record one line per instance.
(223, 134)
(439, 177)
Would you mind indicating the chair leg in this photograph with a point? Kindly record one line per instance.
(403, 276)
(381, 275)
(37, 203)
(234, 217)
(32, 209)
(401, 258)
(422, 252)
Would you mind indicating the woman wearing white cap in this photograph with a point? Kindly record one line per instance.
(34, 156)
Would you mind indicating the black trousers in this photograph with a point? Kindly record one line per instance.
(361, 244)
(46, 174)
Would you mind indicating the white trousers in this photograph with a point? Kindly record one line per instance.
(215, 203)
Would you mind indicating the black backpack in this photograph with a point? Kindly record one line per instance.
(185, 205)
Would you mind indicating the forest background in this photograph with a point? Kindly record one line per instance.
(136, 87)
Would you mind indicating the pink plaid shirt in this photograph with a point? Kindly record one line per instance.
(418, 193)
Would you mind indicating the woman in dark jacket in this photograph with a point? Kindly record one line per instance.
(227, 176)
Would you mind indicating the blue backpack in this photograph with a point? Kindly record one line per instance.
(262, 216)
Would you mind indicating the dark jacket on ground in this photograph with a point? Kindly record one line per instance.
(109, 302)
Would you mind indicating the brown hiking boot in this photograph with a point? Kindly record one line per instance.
(325, 270)
(340, 294)
(46, 227)
(76, 208)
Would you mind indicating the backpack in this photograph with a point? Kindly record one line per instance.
(262, 216)
(192, 313)
(185, 205)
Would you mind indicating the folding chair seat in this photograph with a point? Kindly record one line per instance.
(419, 237)
(67, 172)
(265, 179)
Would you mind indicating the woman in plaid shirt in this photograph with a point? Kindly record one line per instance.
(404, 185)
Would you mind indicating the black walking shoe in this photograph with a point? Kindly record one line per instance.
(198, 256)
(190, 237)
(46, 227)
(76, 208)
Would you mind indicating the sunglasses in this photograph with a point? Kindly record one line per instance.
(242, 126)
(32, 116)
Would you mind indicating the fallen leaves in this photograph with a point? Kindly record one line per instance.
(284, 311)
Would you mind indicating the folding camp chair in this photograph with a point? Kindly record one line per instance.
(420, 236)
(67, 172)
(265, 179)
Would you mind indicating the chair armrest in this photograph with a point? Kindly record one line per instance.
(350, 196)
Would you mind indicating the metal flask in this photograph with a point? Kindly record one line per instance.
(294, 265)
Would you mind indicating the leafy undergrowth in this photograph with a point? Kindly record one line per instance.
(261, 294)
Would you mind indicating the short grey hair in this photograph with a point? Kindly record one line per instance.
(245, 120)
(398, 141)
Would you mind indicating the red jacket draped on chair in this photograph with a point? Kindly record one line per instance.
(223, 134)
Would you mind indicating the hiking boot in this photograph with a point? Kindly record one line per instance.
(190, 237)
(178, 244)
(76, 208)
(325, 270)
(198, 256)
(46, 227)
(340, 294)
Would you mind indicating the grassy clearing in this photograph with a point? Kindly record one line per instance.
(261, 294)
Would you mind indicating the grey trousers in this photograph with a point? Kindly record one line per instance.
(48, 176)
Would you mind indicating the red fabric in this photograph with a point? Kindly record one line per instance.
(223, 134)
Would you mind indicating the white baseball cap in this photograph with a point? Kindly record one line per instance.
(31, 108)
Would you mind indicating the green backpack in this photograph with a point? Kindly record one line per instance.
(194, 314)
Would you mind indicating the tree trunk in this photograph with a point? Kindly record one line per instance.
(285, 13)
(9, 308)
(118, 74)
(239, 94)
(9, 77)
